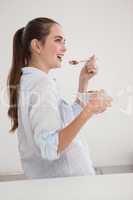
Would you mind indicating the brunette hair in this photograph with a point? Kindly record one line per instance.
(38, 28)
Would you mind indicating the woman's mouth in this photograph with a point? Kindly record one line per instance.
(60, 57)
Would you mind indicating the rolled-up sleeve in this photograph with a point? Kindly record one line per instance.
(48, 142)
(45, 122)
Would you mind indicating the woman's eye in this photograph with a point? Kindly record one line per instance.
(58, 40)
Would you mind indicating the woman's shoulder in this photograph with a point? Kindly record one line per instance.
(35, 82)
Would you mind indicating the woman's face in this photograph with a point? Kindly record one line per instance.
(53, 50)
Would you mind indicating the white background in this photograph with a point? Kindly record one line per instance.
(103, 27)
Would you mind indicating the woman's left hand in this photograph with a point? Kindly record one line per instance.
(89, 70)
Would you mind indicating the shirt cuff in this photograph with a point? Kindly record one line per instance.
(48, 142)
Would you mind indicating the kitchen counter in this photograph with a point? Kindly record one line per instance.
(105, 187)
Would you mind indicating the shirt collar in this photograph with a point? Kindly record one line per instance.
(37, 71)
(32, 70)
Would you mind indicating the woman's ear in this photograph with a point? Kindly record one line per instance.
(35, 46)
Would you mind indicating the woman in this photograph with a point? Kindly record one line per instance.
(47, 126)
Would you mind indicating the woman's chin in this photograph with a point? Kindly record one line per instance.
(58, 65)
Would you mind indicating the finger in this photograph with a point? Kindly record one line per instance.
(103, 93)
(92, 59)
(108, 103)
(102, 110)
(91, 72)
(91, 66)
(90, 69)
(91, 62)
(109, 99)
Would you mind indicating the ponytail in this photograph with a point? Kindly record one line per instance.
(38, 28)
(14, 76)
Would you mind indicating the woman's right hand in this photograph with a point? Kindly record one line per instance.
(98, 103)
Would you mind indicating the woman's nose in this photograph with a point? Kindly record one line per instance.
(64, 49)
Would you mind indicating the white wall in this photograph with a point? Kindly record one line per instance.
(101, 26)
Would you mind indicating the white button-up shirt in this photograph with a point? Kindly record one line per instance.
(42, 113)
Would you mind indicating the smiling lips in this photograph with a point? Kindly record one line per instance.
(60, 57)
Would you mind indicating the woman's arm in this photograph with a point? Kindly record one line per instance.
(67, 134)
(86, 74)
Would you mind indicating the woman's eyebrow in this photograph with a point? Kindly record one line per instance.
(59, 36)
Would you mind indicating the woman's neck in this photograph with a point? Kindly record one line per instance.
(38, 65)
